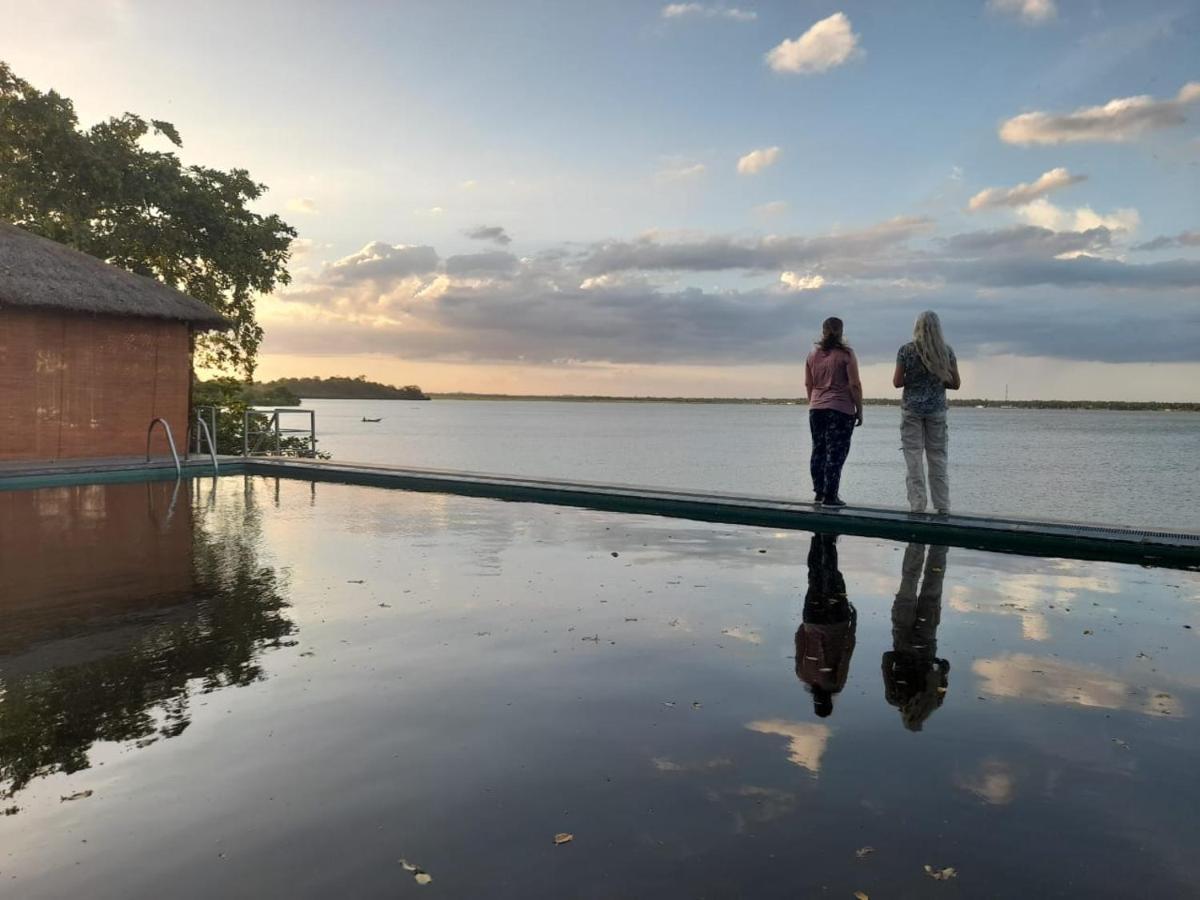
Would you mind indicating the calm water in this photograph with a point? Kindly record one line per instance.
(1122, 468)
(279, 689)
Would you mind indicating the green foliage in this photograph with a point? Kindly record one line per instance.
(342, 388)
(99, 190)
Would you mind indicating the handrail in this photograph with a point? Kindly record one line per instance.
(170, 442)
(212, 446)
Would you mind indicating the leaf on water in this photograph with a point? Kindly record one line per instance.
(420, 876)
(423, 878)
(1087, 631)
(941, 874)
(356, 581)
(668, 703)
(695, 704)
(859, 895)
(563, 837)
(1120, 743)
(863, 852)
(78, 795)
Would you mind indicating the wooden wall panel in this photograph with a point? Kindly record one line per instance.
(76, 386)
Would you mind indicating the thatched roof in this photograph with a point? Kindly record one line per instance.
(36, 272)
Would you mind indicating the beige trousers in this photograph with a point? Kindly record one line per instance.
(925, 437)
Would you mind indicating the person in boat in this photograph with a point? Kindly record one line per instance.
(835, 409)
(915, 680)
(926, 368)
(825, 638)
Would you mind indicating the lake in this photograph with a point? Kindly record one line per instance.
(1131, 468)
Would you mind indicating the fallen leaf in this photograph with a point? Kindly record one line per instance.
(422, 878)
(859, 895)
(864, 852)
(78, 795)
(941, 874)
(563, 837)
(695, 704)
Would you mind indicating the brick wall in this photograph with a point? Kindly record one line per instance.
(75, 386)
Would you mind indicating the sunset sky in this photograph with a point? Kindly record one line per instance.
(648, 198)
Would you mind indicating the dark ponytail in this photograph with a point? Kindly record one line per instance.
(831, 335)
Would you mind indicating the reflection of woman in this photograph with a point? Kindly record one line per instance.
(926, 368)
(914, 679)
(825, 639)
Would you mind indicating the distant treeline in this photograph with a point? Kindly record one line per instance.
(800, 401)
(336, 388)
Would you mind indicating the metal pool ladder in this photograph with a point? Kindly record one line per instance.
(204, 432)
(170, 442)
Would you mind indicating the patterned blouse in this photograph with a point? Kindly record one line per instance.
(924, 392)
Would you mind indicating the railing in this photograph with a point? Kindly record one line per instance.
(204, 431)
(170, 443)
(253, 438)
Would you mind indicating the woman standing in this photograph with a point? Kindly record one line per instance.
(925, 368)
(834, 409)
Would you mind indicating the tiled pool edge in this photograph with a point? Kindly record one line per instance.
(1038, 538)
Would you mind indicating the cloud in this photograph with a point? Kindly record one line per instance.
(828, 44)
(707, 11)
(1031, 12)
(496, 262)
(794, 281)
(773, 208)
(1122, 119)
(494, 233)
(806, 740)
(681, 171)
(1027, 241)
(1048, 680)
(1163, 242)
(994, 783)
(1024, 193)
(469, 185)
(1044, 214)
(303, 205)
(757, 160)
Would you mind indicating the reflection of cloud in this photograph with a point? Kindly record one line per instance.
(993, 783)
(1027, 595)
(666, 764)
(740, 634)
(1045, 680)
(806, 741)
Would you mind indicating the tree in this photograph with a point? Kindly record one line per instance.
(101, 191)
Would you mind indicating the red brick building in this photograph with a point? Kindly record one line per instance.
(89, 353)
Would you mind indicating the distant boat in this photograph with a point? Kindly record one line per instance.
(365, 419)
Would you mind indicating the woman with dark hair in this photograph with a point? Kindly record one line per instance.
(825, 638)
(834, 409)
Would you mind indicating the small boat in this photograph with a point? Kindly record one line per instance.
(365, 419)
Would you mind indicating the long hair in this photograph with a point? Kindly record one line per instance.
(831, 335)
(931, 346)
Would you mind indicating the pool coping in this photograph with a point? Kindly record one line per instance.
(1008, 534)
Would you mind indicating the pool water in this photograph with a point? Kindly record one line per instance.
(258, 688)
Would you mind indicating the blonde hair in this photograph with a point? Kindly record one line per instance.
(931, 346)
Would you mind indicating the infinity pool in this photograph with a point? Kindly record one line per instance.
(260, 688)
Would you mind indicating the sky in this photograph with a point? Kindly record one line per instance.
(638, 198)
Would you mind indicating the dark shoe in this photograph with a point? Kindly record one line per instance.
(818, 499)
(836, 502)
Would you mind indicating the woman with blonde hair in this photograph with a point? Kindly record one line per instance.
(926, 367)
(835, 399)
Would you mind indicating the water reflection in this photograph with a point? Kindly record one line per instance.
(121, 602)
(825, 638)
(915, 680)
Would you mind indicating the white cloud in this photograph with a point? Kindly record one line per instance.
(757, 160)
(681, 171)
(796, 281)
(828, 44)
(1043, 213)
(304, 205)
(1024, 193)
(1122, 119)
(806, 740)
(774, 208)
(707, 11)
(1031, 12)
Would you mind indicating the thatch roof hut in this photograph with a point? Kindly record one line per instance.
(89, 353)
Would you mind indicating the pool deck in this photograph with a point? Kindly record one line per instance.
(1017, 535)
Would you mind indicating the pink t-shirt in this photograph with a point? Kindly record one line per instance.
(828, 376)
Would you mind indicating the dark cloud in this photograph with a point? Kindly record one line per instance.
(476, 264)
(494, 233)
(1027, 240)
(1165, 242)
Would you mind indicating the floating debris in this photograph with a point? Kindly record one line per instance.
(10, 810)
(860, 895)
(864, 852)
(695, 704)
(420, 876)
(564, 837)
(941, 874)
(1120, 743)
(670, 704)
(78, 795)
(615, 554)
(356, 581)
